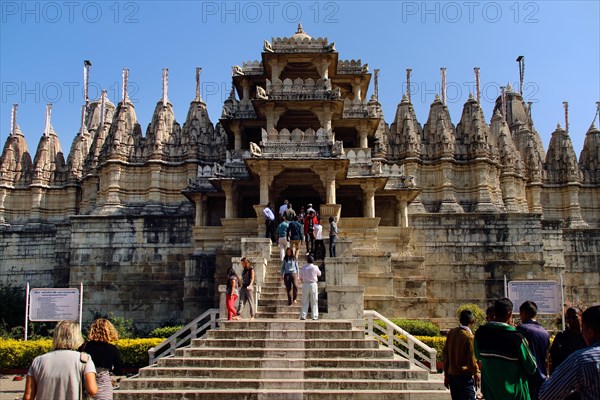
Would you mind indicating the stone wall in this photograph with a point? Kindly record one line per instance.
(132, 266)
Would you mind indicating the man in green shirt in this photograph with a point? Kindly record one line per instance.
(505, 356)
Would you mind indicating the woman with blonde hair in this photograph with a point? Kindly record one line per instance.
(59, 373)
(105, 355)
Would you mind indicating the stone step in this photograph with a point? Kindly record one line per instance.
(277, 394)
(286, 334)
(287, 324)
(287, 363)
(238, 372)
(280, 344)
(279, 315)
(297, 383)
(297, 352)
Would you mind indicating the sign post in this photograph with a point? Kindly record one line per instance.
(53, 304)
(543, 293)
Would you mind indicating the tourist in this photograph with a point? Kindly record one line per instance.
(309, 275)
(309, 224)
(333, 236)
(232, 293)
(59, 373)
(309, 208)
(568, 341)
(579, 374)
(296, 236)
(105, 355)
(282, 209)
(301, 215)
(247, 289)
(461, 372)
(505, 356)
(289, 274)
(539, 342)
(289, 214)
(489, 314)
(319, 245)
(282, 238)
(269, 223)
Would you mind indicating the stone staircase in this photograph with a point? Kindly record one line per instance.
(277, 356)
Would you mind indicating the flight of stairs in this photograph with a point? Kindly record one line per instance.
(277, 356)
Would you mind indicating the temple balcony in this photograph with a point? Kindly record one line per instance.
(299, 90)
(352, 67)
(297, 144)
(359, 110)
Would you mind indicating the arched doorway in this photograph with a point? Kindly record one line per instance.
(300, 187)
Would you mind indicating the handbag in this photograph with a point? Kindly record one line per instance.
(83, 394)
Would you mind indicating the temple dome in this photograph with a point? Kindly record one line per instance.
(300, 35)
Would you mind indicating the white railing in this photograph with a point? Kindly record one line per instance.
(400, 341)
(183, 337)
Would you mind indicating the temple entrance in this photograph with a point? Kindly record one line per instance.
(300, 187)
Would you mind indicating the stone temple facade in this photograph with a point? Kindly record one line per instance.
(431, 215)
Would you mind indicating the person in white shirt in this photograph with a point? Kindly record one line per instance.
(283, 208)
(269, 223)
(309, 275)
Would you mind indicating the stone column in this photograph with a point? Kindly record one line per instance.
(2, 197)
(402, 212)
(227, 186)
(154, 190)
(363, 142)
(369, 200)
(356, 89)
(328, 179)
(237, 135)
(199, 200)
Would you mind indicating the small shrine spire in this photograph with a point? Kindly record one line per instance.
(477, 87)
(596, 115)
(503, 98)
(521, 61)
(198, 72)
(408, 71)
(529, 105)
(443, 70)
(47, 124)
(376, 84)
(125, 85)
(86, 81)
(102, 107)
(566, 105)
(82, 127)
(300, 30)
(165, 86)
(13, 120)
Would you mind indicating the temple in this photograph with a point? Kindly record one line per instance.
(431, 215)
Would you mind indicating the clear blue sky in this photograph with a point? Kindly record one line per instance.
(43, 45)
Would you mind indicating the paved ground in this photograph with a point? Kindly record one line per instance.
(11, 389)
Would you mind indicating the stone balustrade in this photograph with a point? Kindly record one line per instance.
(299, 89)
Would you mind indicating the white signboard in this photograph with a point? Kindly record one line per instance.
(54, 304)
(544, 293)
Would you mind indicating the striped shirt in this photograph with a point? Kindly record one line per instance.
(580, 373)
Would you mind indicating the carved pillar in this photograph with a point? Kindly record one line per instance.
(237, 135)
(402, 212)
(328, 179)
(265, 182)
(323, 68)
(2, 197)
(227, 186)
(369, 200)
(276, 69)
(114, 173)
(200, 201)
(272, 115)
(357, 89)
(245, 91)
(363, 142)
(324, 116)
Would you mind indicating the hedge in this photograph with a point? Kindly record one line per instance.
(18, 354)
(415, 327)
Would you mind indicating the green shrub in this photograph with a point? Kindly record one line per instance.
(165, 331)
(478, 313)
(20, 354)
(435, 342)
(415, 327)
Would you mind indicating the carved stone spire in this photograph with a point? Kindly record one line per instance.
(589, 159)
(438, 132)
(477, 88)
(443, 71)
(198, 72)
(13, 119)
(165, 86)
(408, 88)
(405, 133)
(47, 126)
(125, 85)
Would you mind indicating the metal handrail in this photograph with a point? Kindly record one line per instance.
(197, 328)
(412, 348)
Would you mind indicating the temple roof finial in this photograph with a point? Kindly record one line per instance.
(48, 114)
(165, 86)
(198, 72)
(13, 120)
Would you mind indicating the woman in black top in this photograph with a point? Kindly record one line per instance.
(105, 356)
